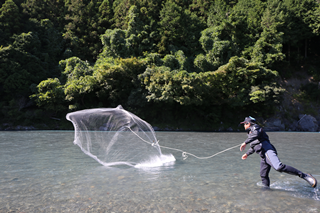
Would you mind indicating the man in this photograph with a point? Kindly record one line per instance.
(259, 143)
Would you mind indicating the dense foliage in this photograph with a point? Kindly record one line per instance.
(188, 64)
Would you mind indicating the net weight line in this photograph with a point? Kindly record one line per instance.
(184, 154)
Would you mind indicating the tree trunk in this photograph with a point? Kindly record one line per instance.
(289, 52)
(305, 48)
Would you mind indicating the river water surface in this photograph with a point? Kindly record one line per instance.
(43, 171)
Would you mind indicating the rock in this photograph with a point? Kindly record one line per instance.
(274, 124)
(307, 123)
(155, 128)
(25, 128)
(11, 127)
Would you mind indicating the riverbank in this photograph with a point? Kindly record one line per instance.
(305, 123)
(298, 111)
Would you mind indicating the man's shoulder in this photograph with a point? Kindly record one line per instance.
(255, 127)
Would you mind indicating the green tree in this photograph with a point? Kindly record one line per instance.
(238, 83)
(79, 84)
(243, 83)
(83, 28)
(30, 58)
(148, 10)
(219, 45)
(54, 10)
(245, 18)
(132, 42)
(268, 48)
(9, 19)
(109, 82)
(170, 32)
(118, 82)
(14, 79)
(20, 65)
(51, 48)
(121, 9)
(50, 95)
(179, 29)
(114, 43)
(297, 30)
(137, 35)
(314, 23)
(201, 8)
(105, 15)
(219, 13)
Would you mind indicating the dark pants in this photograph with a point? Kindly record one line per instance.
(270, 159)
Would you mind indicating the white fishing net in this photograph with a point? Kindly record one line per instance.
(115, 136)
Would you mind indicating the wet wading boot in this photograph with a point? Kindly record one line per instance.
(311, 180)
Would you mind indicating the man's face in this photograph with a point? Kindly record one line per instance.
(246, 125)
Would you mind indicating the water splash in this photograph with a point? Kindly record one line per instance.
(316, 194)
(296, 187)
(157, 161)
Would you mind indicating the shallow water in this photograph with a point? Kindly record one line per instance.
(42, 171)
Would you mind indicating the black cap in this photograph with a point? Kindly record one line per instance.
(248, 120)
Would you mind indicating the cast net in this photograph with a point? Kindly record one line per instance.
(115, 136)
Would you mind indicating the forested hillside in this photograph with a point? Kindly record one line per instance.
(181, 64)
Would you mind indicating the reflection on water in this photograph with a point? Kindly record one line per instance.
(42, 171)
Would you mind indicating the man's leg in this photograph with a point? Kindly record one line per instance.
(273, 160)
(264, 172)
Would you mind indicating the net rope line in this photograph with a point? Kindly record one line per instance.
(184, 154)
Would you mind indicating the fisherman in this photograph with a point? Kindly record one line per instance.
(259, 143)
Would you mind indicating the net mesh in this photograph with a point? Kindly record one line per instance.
(114, 136)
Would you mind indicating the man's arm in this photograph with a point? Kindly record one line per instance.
(253, 135)
(249, 152)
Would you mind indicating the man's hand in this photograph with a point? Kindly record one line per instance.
(243, 146)
(244, 156)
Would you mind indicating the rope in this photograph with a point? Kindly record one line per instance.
(184, 154)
